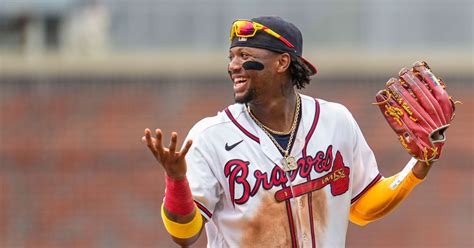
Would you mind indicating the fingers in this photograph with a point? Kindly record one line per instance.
(186, 148)
(156, 144)
(159, 142)
(149, 141)
(174, 139)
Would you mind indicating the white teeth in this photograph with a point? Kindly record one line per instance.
(239, 80)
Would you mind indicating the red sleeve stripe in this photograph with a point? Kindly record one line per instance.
(204, 209)
(376, 179)
(250, 135)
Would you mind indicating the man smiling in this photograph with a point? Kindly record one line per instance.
(277, 168)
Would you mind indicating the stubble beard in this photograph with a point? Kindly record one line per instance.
(248, 97)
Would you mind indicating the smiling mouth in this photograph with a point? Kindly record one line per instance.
(240, 84)
(239, 80)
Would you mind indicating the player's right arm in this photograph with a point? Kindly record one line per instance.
(180, 215)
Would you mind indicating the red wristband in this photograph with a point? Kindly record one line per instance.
(178, 196)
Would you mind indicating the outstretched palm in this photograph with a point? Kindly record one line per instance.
(172, 161)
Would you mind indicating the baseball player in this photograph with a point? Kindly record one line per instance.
(277, 168)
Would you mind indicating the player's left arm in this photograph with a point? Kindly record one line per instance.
(382, 198)
(419, 110)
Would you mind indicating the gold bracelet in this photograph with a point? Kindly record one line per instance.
(182, 231)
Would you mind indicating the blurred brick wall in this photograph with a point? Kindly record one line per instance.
(74, 173)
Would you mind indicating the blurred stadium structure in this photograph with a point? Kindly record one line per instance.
(81, 79)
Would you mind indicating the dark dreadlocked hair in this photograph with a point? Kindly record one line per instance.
(299, 72)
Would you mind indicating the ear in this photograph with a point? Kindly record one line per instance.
(283, 62)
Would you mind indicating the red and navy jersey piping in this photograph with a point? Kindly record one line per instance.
(240, 127)
(313, 126)
(310, 194)
(371, 184)
(204, 210)
(291, 222)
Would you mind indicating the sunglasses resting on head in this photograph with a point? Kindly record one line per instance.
(246, 29)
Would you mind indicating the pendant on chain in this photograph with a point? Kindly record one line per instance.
(289, 163)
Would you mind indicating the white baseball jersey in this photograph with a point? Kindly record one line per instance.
(238, 183)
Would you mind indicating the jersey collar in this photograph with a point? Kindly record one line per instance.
(306, 129)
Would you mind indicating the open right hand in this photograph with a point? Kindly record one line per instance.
(172, 161)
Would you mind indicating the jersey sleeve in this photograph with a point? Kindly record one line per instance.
(365, 170)
(204, 184)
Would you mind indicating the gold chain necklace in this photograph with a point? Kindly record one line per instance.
(293, 126)
(269, 129)
(289, 162)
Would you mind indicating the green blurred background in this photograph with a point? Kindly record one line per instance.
(81, 79)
